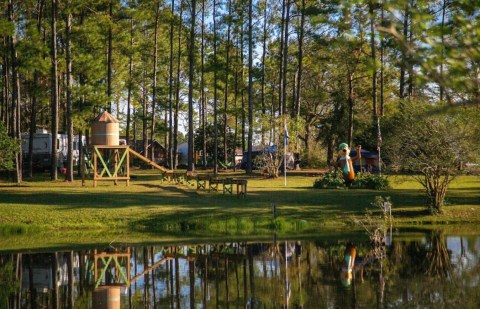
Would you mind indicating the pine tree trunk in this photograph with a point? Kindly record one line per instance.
(33, 107)
(242, 87)
(80, 153)
(215, 109)
(373, 57)
(235, 99)
(33, 125)
(376, 118)
(109, 58)
(300, 60)
(442, 55)
(5, 84)
(403, 64)
(264, 55)
(250, 86)
(203, 98)
(130, 84)
(191, 163)
(351, 104)
(145, 111)
(411, 71)
(17, 133)
(69, 175)
(54, 91)
(227, 64)
(285, 58)
(177, 94)
(170, 91)
(382, 63)
(280, 59)
(154, 83)
(15, 114)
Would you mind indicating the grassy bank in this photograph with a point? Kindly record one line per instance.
(148, 207)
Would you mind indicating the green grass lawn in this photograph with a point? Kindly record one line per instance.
(44, 209)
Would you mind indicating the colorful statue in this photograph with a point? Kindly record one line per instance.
(345, 162)
(346, 274)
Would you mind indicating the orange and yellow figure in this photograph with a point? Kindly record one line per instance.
(345, 162)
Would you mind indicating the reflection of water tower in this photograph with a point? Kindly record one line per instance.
(106, 297)
(111, 273)
(107, 159)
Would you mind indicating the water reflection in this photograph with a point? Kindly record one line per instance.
(433, 271)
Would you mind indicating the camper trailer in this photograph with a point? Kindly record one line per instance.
(42, 149)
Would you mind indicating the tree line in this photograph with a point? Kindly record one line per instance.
(234, 71)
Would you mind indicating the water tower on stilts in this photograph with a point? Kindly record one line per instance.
(106, 157)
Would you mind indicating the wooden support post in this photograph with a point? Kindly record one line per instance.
(128, 172)
(115, 164)
(94, 168)
(82, 166)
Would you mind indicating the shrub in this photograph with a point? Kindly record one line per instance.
(269, 163)
(430, 145)
(330, 180)
(371, 181)
(8, 149)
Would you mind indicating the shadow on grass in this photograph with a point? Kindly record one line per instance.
(153, 207)
(158, 195)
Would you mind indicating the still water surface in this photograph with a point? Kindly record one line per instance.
(431, 271)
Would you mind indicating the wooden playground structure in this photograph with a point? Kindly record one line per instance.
(112, 163)
(107, 160)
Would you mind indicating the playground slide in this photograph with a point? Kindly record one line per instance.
(144, 159)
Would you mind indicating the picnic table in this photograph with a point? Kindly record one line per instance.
(208, 182)
(202, 180)
(214, 182)
(178, 177)
(241, 185)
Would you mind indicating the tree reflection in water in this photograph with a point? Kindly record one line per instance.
(438, 262)
(428, 272)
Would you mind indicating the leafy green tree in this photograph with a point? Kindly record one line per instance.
(9, 284)
(8, 149)
(432, 146)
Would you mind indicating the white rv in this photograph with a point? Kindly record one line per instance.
(42, 149)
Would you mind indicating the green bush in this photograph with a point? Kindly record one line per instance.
(8, 149)
(371, 181)
(330, 180)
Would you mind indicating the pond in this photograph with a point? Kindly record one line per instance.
(430, 270)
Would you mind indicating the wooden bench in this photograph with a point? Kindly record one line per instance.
(228, 185)
(189, 179)
(186, 178)
(174, 177)
(202, 181)
(241, 185)
(213, 183)
(179, 177)
(167, 176)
